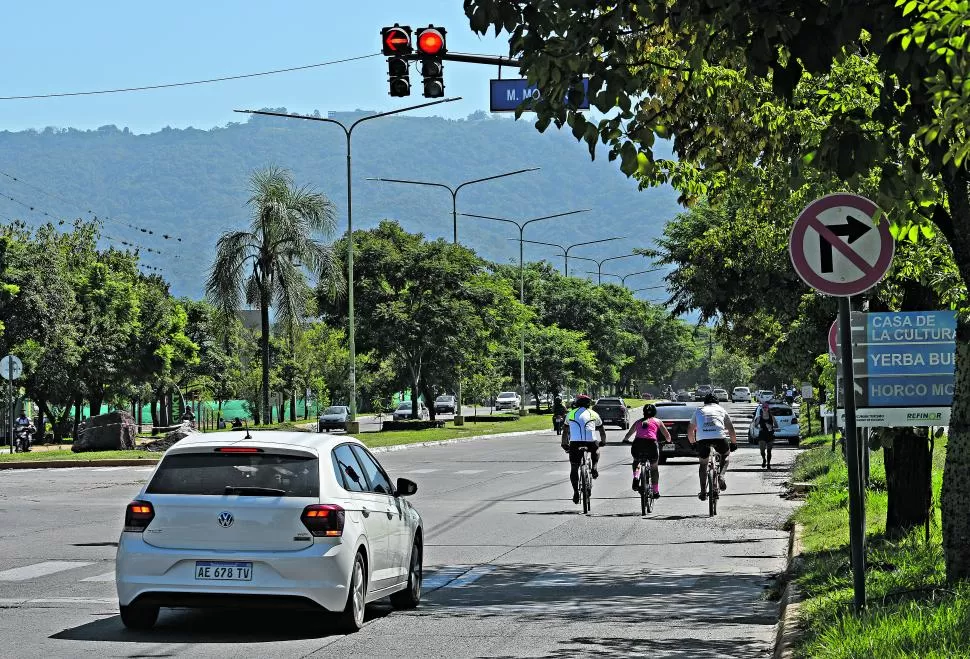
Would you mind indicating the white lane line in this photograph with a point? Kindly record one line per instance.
(517, 471)
(441, 576)
(470, 471)
(471, 576)
(107, 576)
(39, 570)
(422, 471)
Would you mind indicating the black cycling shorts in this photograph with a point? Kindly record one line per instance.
(575, 455)
(645, 449)
(704, 447)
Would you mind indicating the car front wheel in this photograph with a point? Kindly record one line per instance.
(138, 616)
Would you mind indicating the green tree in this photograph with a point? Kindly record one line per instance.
(729, 369)
(556, 358)
(267, 262)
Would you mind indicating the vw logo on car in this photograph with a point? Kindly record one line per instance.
(225, 519)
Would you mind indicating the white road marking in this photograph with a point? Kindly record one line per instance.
(441, 576)
(112, 468)
(39, 570)
(553, 579)
(470, 471)
(423, 471)
(107, 576)
(660, 582)
(146, 470)
(517, 471)
(471, 576)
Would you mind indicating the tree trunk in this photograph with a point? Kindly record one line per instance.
(77, 416)
(153, 410)
(955, 498)
(264, 350)
(97, 398)
(293, 405)
(282, 411)
(429, 401)
(40, 425)
(908, 467)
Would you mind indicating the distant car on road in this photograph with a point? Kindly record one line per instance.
(508, 400)
(613, 410)
(676, 417)
(270, 521)
(445, 404)
(741, 395)
(403, 411)
(702, 391)
(685, 396)
(788, 428)
(334, 417)
(764, 395)
(722, 395)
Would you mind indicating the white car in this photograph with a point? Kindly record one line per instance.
(764, 395)
(722, 395)
(508, 400)
(786, 420)
(741, 395)
(403, 411)
(282, 519)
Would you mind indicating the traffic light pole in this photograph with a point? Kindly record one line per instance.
(352, 425)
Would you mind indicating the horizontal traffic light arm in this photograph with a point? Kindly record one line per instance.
(493, 60)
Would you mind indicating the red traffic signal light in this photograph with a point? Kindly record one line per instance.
(431, 40)
(396, 40)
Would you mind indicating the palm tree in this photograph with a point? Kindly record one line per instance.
(269, 262)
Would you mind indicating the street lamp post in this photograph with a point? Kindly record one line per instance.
(454, 190)
(599, 265)
(352, 425)
(565, 249)
(521, 227)
(623, 278)
(648, 288)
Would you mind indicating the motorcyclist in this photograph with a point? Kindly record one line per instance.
(23, 424)
(558, 413)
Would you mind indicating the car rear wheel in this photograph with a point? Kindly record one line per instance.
(138, 616)
(351, 619)
(410, 597)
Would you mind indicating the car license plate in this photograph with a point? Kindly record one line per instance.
(223, 571)
(669, 447)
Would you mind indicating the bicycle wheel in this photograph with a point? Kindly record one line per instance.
(584, 490)
(645, 500)
(712, 492)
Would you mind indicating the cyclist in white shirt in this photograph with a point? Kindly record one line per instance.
(578, 432)
(710, 428)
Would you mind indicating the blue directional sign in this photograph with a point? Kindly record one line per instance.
(507, 95)
(904, 359)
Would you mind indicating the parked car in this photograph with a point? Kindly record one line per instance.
(788, 428)
(334, 416)
(403, 411)
(613, 410)
(764, 395)
(741, 395)
(446, 404)
(274, 520)
(722, 395)
(676, 417)
(508, 400)
(702, 391)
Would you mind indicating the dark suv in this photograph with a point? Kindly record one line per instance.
(676, 417)
(613, 410)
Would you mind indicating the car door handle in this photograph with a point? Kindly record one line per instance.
(365, 512)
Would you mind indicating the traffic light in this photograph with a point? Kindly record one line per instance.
(396, 44)
(431, 46)
(398, 77)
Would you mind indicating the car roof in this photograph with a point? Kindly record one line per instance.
(263, 439)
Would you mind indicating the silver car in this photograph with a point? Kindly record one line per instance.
(334, 417)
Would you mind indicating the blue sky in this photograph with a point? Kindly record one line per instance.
(52, 47)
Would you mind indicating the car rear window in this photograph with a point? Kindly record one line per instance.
(675, 412)
(781, 410)
(212, 473)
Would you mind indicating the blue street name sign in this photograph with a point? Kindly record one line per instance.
(907, 391)
(507, 95)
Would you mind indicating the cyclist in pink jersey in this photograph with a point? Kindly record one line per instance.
(645, 446)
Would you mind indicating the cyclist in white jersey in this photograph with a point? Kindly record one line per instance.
(583, 430)
(710, 428)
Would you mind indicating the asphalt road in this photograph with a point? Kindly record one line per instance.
(512, 568)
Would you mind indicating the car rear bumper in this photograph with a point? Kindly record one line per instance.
(316, 576)
(332, 424)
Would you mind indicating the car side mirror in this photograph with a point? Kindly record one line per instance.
(405, 487)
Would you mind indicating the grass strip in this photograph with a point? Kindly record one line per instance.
(396, 437)
(66, 454)
(911, 611)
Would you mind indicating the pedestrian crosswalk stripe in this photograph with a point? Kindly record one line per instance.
(107, 576)
(471, 576)
(470, 471)
(39, 570)
(438, 578)
(422, 471)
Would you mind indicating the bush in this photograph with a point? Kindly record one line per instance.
(487, 418)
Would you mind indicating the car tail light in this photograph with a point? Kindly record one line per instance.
(138, 516)
(669, 424)
(324, 520)
(238, 449)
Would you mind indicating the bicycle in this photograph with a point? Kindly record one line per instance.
(586, 480)
(713, 484)
(646, 487)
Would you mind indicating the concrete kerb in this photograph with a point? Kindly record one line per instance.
(61, 464)
(787, 632)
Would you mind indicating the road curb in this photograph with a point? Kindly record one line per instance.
(787, 632)
(62, 464)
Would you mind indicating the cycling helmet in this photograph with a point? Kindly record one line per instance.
(558, 399)
(649, 410)
(710, 399)
(583, 400)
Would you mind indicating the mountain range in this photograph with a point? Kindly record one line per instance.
(176, 190)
